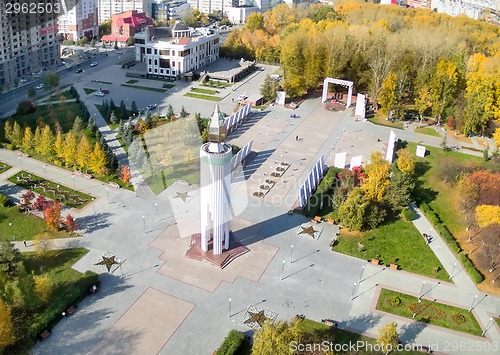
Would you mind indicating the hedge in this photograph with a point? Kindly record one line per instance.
(322, 193)
(443, 231)
(231, 343)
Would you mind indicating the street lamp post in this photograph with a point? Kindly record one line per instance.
(10, 227)
(421, 289)
(452, 271)
(490, 323)
(144, 223)
(473, 303)
(291, 253)
(353, 291)
(107, 194)
(44, 172)
(157, 213)
(20, 164)
(229, 314)
(74, 184)
(93, 203)
(361, 274)
(282, 269)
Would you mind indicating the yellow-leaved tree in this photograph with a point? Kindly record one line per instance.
(43, 286)
(98, 160)
(6, 327)
(377, 179)
(487, 215)
(275, 338)
(388, 337)
(406, 161)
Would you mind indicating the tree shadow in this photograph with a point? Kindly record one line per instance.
(410, 331)
(88, 224)
(361, 323)
(10, 191)
(420, 193)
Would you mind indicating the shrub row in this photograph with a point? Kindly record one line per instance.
(444, 232)
(231, 343)
(322, 193)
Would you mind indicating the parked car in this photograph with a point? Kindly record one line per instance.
(78, 71)
(152, 106)
(93, 64)
(40, 86)
(104, 91)
(99, 93)
(242, 97)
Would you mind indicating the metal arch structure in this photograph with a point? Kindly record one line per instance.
(344, 83)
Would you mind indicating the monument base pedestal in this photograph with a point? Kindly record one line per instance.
(221, 260)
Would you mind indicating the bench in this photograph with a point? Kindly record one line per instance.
(318, 219)
(329, 322)
(71, 310)
(45, 334)
(394, 267)
(375, 261)
(330, 221)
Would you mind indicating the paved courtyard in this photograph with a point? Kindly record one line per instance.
(162, 302)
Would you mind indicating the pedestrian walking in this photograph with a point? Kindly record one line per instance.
(25, 244)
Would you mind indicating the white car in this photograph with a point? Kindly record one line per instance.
(93, 64)
(99, 93)
(40, 86)
(242, 97)
(152, 106)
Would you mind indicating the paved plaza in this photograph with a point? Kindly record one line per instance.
(161, 302)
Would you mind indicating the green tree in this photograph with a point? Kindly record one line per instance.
(47, 142)
(37, 140)
(269, 88)
(77, 126)
(59, 145)
(113, 118)
(352, 212)
(130, 41)
(133, 107)
(8, 130)
(27, 143)
(170, 111)
(388, 337)
(10, 260)
(50, 80)
(397, 194)
(422, 101)
(31, 92)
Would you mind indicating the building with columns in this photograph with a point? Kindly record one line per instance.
(215, 187)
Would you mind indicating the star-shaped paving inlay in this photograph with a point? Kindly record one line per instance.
(308, 230)
(182, 195)
(108, 261)
(256, 317)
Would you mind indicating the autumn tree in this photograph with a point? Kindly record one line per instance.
(388, 337)
(27, 143)
(42, 243)
(496, 137)
(97, 161)
(387, 96)
(6, 326)
(444, 84)
(59, 145)
(40, 203)
(487, 215)
(26, 198)
(70, 224)
(255, 22)
(37, 140)
(16, 136)
(47, 142)
(377, 179)
(70, 149)
(276, 336)
(125, 174)
(52, 215)
(83, 153)
(43, 287)
(406, 161)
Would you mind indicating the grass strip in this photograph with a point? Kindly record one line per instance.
(89, 91)
(4, 167)
(144, 88)
(204, 91)
(203, 97)
(428, 311)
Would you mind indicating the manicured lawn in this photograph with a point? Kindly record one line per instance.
(427, 130)
(89, 91)
(395, 242)
(69, 287)
(217, 84)
(159, 182)
(4, 167)
(50, 189)
(65, 94)
(132, 81)
(498, 321)
(204, 97)
(15, 225)
(104, 82)
(168, 86)
(113, 126)
(317, 332)
(380, 120)
(65, 114)
(428, 312)
(145, 88)
(204, 91)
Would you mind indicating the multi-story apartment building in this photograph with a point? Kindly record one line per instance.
(471, 8)
(80, 21)
(164, 10)
(108, 8)
(209, 6)
(29, 45)
(175, 50)
(424, 4)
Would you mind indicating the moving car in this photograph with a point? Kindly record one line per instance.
(78, 71)
(40, 86)
(152, 106)
(93, 64)
(99, 93)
